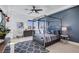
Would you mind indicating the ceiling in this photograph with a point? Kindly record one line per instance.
(19, 12)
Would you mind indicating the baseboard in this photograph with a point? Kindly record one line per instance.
(73, 43)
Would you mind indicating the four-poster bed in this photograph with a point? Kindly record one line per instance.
(46, 30)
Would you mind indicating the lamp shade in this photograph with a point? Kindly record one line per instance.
(64, 28)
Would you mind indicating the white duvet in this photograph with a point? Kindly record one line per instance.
(46, 37)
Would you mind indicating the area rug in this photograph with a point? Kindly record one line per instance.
(29, 47)
(7, 49)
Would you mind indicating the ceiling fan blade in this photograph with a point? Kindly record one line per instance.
(36, 12)
(39, 9)
(26, 9)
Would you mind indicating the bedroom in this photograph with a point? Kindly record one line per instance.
(24, 25)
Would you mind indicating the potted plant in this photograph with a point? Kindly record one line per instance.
(3, 29)
(3, 32)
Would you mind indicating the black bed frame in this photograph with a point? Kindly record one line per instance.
(53, 41)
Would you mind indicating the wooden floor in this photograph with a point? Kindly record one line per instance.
(2, 46)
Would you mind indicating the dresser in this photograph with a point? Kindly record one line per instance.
(27, 33)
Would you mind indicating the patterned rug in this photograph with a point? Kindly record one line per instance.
(7, 49)
(27, 47)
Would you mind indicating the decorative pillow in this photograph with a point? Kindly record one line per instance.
(52, 31)
(56, 32)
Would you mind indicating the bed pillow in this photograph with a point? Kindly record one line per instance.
(56, 32)
(52, 31)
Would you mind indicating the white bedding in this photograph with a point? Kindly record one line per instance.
(46, 37)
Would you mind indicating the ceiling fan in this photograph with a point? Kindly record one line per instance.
(34, 10)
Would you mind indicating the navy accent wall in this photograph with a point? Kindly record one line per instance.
(70, 18)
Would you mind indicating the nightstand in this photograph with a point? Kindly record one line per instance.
(64, 38)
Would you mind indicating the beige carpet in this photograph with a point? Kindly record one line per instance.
(63, 48)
